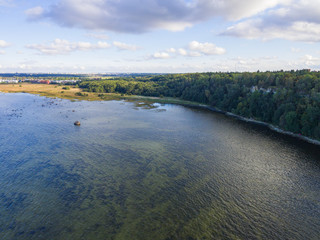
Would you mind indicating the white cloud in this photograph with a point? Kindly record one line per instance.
(194, 54)
(2, 52)
(296, 31)
(182, 52)
(34, 13)
(4, 44)
(145, 15)
(173, 26)
(59, 46)
(171, 50)
(206, 48)
(194, 49)
(311, 61)
(124, 46)
(161, 55)
(298, 21)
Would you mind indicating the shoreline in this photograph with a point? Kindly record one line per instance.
(166, 100)
(275, 128)
(256, 122)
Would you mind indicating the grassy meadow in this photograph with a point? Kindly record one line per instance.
(74, 93)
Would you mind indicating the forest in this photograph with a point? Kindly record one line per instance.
(287, 99)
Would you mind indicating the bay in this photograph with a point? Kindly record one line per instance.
(134, 170)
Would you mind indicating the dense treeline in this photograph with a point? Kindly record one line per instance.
(290, 100)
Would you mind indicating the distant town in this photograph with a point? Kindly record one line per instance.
(61, 78)
(40, 81)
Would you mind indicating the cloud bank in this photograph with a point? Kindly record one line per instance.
(59, 46)
(125, 46)
(297, 21)
(194, 49)
(136, 16)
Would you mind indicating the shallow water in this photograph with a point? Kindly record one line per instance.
(141, 171)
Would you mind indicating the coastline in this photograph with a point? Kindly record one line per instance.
(275, 128)
(164, 100)
(253, 121)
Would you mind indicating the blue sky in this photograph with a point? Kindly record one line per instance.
(103, 36)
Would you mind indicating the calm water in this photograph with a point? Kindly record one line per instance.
(138, 171)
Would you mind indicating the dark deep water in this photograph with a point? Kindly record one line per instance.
(137, 171)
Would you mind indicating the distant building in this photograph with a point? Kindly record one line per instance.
(268, 90)
(44, 81)
(9, 81)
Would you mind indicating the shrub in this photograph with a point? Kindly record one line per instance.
(81, 94)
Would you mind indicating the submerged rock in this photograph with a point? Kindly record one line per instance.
(77, 123)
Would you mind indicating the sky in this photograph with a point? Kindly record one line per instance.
(158, 36)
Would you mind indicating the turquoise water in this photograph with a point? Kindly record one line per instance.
(149, 171)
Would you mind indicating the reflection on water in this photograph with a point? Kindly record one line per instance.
(149, 171)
